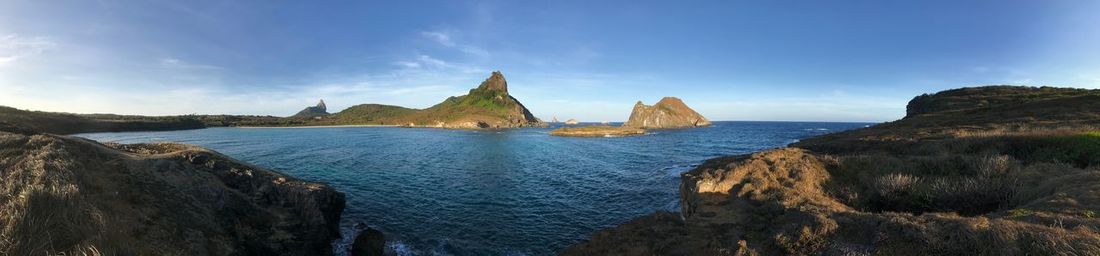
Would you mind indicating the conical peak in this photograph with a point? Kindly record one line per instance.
(495, 82)
(671, 100)
(321, 105)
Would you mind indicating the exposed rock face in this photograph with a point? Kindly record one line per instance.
(66, 195)
(495, 82)
(861, 192)
(315, 111)
(668, 113)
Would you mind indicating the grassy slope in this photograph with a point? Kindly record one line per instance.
(976, 171)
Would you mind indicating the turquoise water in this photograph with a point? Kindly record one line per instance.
(507, 192)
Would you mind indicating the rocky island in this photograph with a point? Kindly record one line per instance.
(597, 131)
(998, 170)
(669, 113)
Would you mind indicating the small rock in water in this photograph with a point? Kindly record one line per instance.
(369, 242)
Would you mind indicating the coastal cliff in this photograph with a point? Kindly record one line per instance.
(72, 196)
(669, 112)
(1013, 173)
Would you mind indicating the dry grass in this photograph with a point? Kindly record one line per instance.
(971, 174)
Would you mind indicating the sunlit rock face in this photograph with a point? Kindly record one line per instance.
(669, 113)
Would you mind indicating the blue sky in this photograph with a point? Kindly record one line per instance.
(589, 60)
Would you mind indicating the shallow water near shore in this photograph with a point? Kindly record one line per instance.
(497, 192)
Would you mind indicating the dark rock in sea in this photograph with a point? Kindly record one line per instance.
(72, 196)
(313, 112)
(369, 242)
(670, 112)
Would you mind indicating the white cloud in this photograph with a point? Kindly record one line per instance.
(179, 64)
(446, 39)
(443, 38)
(14, 47)
(407, 64)
(433, 61)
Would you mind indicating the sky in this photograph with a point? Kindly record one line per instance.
(589, 60)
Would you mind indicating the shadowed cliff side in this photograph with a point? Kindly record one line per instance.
(1014, 176)
(67, 195)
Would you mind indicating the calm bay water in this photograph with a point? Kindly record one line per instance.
(508, 192)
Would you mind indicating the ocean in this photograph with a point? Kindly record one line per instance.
(493, 192)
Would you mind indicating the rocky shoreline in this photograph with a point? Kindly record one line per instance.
(140, 199)
(966, 173)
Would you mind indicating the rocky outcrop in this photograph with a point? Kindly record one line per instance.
(495, 82)
(312, 112)
(597, 131)
(670, 112)
(67, 195)
(571, 122)
(936, 193)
